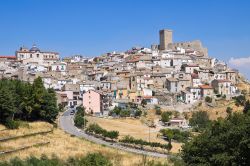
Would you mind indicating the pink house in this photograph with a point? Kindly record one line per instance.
(95, 102)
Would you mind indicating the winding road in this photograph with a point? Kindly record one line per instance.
(67, 124)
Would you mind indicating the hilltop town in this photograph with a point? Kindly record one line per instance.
(136, 101)
(167, 74)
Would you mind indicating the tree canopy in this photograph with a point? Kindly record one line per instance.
(224, 142)
(199, 120)
(24, 101)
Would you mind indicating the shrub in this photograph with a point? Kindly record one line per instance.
(158, 110)
(240, 100)
(95, 128)
(111, 134)
(11, 124)
(60, 107)
(229, 110)
(246, 109)
(199, 120)
(178, 135)
(138, 113)
(224, 142)
(143, 102)
(131, 140)
(125, 113)
(94, 159)
(80, 111)
(208, 99)
(80, 121)
(165, 116)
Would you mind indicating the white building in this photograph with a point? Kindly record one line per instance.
(60, 67)
(34, 55)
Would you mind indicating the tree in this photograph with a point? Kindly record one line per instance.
(158, 110)
(138, 113)
(7, 108)
(224, 142)
(23, 101)
(95, 159)
(168, 133)
(125, 113)
(229, 110)
(165, 116)
(143, 102)
(111, 134)
(49, 110)
(240, 100)
(208, 99)
(199, 120)
(246, 107)
(60, 107)
(116, 111)
(80, 121)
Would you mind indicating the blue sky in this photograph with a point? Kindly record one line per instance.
(93, 27)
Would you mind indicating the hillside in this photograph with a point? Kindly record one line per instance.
(60, 144)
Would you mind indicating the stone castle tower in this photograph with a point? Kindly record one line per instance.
(165, 38)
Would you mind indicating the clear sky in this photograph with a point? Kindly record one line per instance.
(93, 27)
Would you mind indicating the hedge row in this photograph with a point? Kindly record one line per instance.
(132, 140)
(96, 129)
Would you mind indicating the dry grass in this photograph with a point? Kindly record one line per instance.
(26, 128)
(133, 127)
(64, 146)
(220, 110)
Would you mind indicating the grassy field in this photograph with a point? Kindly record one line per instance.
(133, 127)
(62, 145)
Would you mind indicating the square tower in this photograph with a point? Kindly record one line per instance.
(165, 38)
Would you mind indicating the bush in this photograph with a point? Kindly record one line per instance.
(199, 120)
(208, 99)
(138, 113)
(131, 140)
(111, 134)
(11, 124)
(60, 107)
(125, 113)
(229, 110)
(94, 159)
(80, 111)
(143, 102)
(96, 129)
(224, 142)
(165, 116)
(80, 121)
(240, 100)
(158, 110)
(180, 136)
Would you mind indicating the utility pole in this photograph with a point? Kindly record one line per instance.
(148, 133)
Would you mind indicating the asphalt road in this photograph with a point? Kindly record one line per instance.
(67, 124)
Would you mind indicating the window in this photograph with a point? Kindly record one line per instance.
(37, 55)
